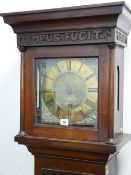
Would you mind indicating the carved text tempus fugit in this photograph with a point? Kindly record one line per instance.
(51, 38)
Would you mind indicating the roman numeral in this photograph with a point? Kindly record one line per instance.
(57, 67)
(49, 77)
(45, 75)
(90, 76)
(91, 103)
(50, 102)
(68, 63)
(80, 67)
(92, 89)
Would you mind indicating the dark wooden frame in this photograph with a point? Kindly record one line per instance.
(74, 133)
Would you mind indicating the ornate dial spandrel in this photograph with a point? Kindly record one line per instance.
(67, 90)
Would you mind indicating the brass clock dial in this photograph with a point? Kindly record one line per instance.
(69, 91)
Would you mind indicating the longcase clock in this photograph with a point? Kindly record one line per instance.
(72, 86)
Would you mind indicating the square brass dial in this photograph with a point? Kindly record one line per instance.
(67, 91)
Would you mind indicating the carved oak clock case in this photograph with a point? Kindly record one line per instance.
(72, 87)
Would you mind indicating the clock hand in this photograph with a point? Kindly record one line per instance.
(69, 112)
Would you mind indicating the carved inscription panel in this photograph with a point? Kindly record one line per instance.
(121, 37)
(89, 36)
(65, 37)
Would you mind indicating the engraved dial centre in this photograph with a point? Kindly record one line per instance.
(69, 90)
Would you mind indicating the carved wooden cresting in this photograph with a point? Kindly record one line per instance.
(72, 130)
